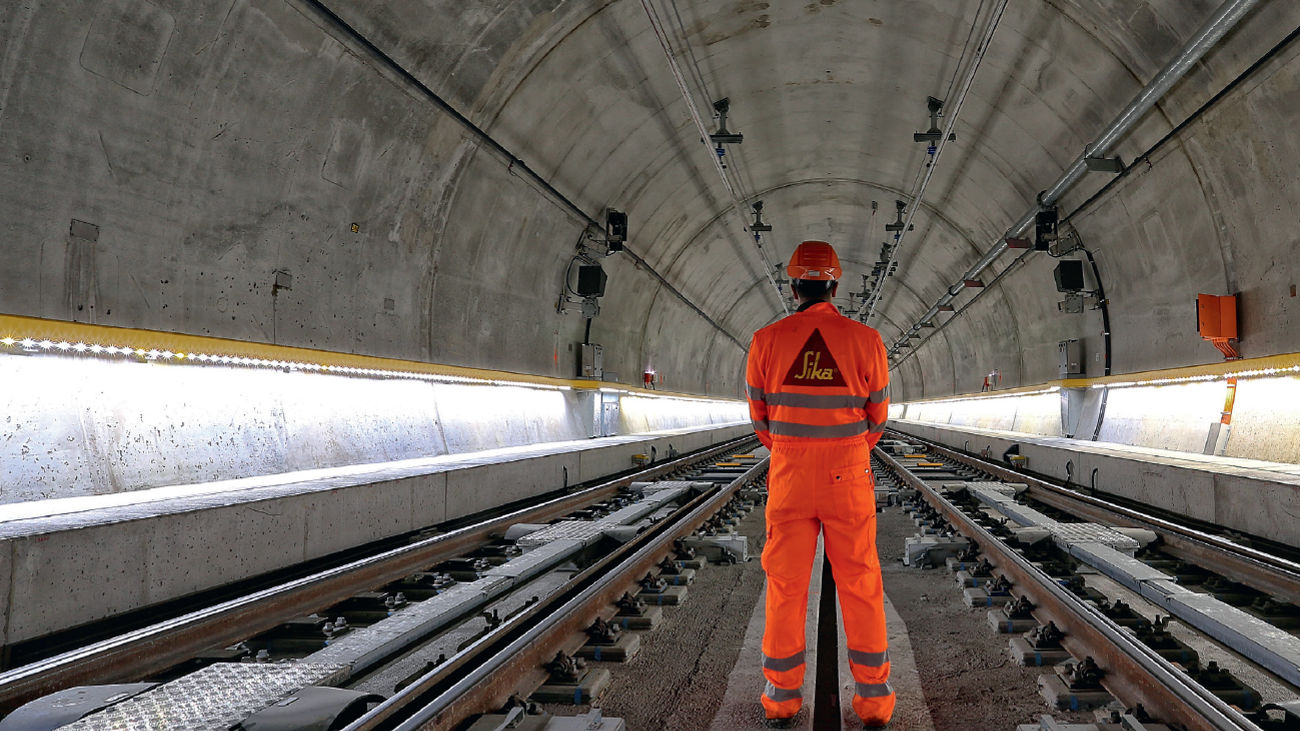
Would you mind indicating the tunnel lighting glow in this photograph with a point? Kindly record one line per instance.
(988, 395)
(1253, 373)
(32, 345)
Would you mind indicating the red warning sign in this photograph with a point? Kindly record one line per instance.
(815, 365)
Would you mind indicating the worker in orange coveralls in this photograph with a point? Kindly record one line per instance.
(817, 396)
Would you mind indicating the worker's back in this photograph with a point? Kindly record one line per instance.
(818, 375)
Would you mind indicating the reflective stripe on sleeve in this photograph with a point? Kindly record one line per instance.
(759, 425)
(782, 694)
(814, 431)
(878, 397)
(782, 664)
(876, 428)
(868, 659)
(872, 690)
(811, 401)
(754, 392)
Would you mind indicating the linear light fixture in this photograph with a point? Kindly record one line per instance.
(1251, 373)
(64, 347)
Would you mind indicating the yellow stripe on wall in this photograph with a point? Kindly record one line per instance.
(19, 327)
(1283, 364)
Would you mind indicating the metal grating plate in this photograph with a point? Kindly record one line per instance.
(565, 530)
(211, 699)
(1066, 533)
(588, 531)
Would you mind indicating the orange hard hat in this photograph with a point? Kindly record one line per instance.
(814, 260)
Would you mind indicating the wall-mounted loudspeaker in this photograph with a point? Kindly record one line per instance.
(1069, 276)
(591, 281)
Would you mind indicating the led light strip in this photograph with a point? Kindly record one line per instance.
(31, 345)
(986, 396)
(1286, 367)
(1253, 373)
(670, 396)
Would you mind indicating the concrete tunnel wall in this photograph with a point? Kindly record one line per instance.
(1211, 210)
(212, 147)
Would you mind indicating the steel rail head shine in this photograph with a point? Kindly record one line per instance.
(1252, 566)
(493, 661)
(1144, 676)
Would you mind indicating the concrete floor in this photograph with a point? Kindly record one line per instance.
(700, 669)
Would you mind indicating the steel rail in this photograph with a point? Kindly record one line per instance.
(136, 655)
(483, 676)
(1260, 570)
(1134, 673)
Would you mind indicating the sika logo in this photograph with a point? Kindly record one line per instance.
(814, 366)
(810, 369)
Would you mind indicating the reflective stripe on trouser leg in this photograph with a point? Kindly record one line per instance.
(783, 664)
(874, 702)
(781, 695)
(868, 659)
(872, 690)
(781, 702)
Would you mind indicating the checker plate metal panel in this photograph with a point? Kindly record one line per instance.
(1005, 488)
(568, 530)
(1066, 533)
(669, 485)
(214, 698)
(588, 531)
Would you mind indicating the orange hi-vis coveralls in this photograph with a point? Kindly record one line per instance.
(817, 395)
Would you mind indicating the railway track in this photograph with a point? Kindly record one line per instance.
(327, 630)
(1074, 579)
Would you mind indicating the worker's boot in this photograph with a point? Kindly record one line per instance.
(874, 712)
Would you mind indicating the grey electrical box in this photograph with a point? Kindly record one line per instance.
(600, 412)
(591, 362)
(1071, 358)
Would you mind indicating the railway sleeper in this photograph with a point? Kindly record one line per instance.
(1077, 684)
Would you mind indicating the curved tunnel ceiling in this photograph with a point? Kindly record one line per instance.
(824, 91)
(248, 134)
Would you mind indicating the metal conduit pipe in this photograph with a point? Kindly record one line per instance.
(514, 164)
(1220, 22)
(986, 38)
(736, 202)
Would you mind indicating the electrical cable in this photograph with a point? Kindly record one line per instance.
(656, 25)
(1195, 115)
(390, 64)
(955, 71)
(958, 313)
(744, 180)
(975, 21)
(690, 52)
(995, 19)
(1220, 22)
